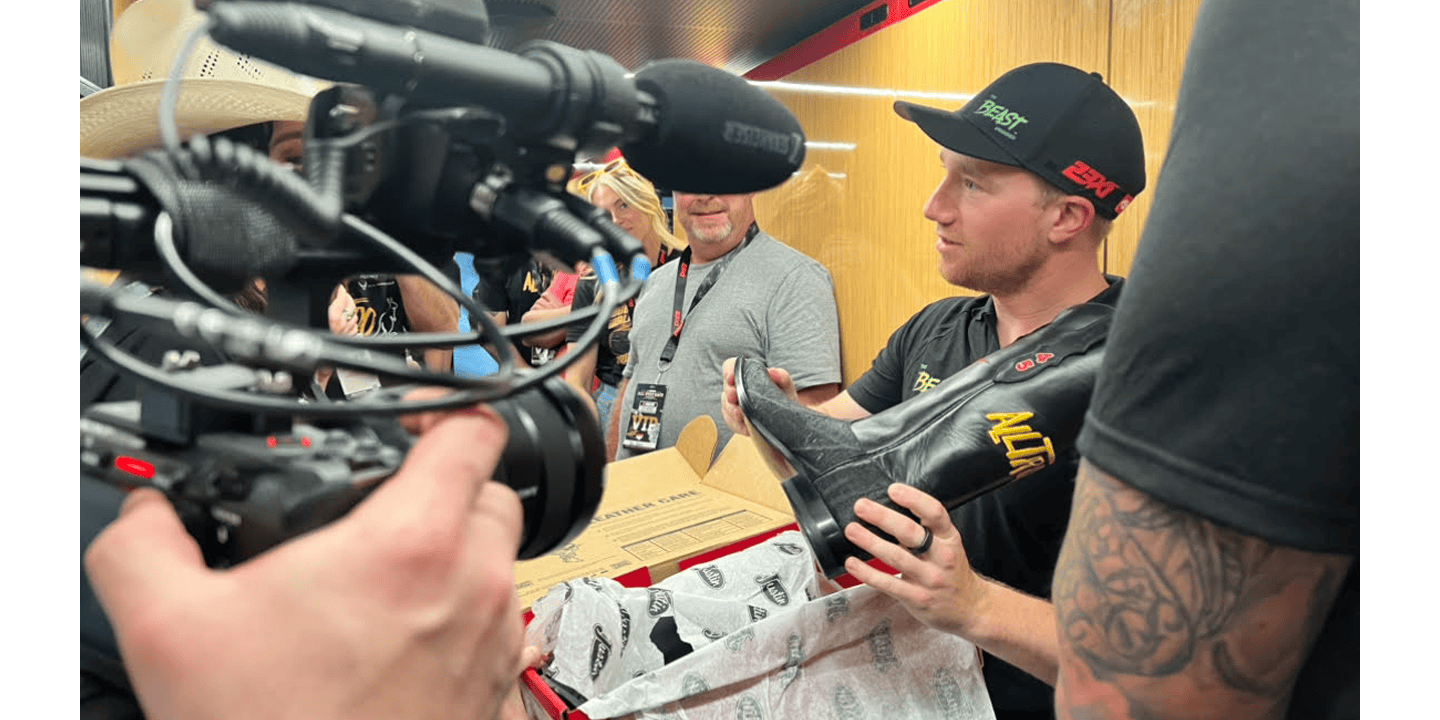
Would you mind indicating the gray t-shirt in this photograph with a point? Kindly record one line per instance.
(770, 302)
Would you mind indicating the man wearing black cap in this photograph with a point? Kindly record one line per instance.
(1037, 166)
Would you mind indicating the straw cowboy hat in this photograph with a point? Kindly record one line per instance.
(220, 89)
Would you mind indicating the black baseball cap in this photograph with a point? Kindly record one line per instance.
(1057, 121)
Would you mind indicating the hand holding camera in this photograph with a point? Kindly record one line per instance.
(364, 610)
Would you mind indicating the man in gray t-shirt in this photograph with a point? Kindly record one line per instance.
(735, 291)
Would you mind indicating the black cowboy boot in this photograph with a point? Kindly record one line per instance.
(1008, 415)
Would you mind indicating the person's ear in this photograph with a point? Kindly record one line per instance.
(1072, 215)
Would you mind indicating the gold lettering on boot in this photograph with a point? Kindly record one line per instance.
(1024, 459)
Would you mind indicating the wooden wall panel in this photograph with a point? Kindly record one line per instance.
(1147, 56)
(857, 204)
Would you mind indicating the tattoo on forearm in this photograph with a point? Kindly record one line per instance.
(1145, 589)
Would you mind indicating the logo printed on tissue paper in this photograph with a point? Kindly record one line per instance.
(659, 602)
(552, 630)
(809, 593)
(756, 613)
(693, 685)
(836, 607)
(711, 635)
(789, 548)
(593, 583)
(749, 709)
(882, 646)
(599, 653)
(736, 640)
(774, 591)
(712, 576)
(847, 706)
(952, 697)
(795, 655)
(624, 627)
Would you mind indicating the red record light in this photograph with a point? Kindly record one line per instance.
(135, 466)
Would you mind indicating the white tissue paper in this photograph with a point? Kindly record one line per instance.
(748, 636)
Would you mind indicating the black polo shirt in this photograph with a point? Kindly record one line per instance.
(1012, 535)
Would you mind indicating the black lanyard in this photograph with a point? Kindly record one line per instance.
(677, 322)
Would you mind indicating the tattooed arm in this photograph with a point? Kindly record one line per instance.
(1162, 613)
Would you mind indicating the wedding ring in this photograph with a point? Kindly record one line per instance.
(924, 544)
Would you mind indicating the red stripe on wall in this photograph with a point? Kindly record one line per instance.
(831, 39)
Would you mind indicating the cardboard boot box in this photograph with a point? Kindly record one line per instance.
(661, 513)
(665, 510)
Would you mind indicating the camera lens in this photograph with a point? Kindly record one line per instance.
(555, 462)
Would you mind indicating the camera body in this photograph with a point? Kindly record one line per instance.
(249, 464)
(244, 482)
(240, 493)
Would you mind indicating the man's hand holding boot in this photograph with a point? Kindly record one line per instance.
(939, 587)
(730, 398)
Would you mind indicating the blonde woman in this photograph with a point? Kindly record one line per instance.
(634, 205)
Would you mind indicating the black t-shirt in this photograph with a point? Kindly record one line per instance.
(511, 287)
(380, 308)
(1012, 535)
(613, 347)
(614, 342)
(1231, 383)
(378, 304)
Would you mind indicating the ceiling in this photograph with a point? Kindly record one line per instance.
(737, 35)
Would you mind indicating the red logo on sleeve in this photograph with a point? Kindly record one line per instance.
(1044, 357)
(1024, 365)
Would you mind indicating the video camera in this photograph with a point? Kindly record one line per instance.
(426, 136)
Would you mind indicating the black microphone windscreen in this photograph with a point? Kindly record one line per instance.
(225, 234)
(715, 132)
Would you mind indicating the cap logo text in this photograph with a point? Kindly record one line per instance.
(1090, 179)
(1004, 118)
